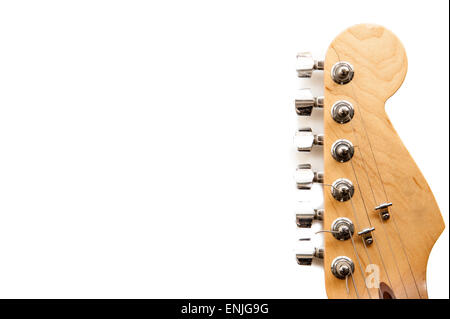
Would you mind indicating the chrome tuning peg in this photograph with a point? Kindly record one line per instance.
(305, 139)
(306, 258)
(342, 267)
(306, 65)
(305, 101)
(342, 229)
(305, 176)
(304, 218)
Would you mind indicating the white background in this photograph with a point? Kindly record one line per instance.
(146, 146)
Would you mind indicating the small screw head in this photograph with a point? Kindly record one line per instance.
(385, 216)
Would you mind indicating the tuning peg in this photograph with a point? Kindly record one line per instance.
(304, 139)
(306, 258)
(305, 217)
(305, 101)
(342, 267)
(342, 229)
(306, 65)
(305, 176)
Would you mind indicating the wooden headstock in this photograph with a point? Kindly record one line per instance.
(381, 171)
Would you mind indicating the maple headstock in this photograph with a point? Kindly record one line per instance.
(390, 244)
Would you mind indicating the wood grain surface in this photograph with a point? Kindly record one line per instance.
(381, 170)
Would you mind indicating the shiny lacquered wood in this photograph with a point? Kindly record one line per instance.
(381, 170)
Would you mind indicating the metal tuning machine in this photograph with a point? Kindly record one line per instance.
(342, 72)
(305, 176)
(342, 150)
(305, 101)
(306, 65)
(306, 258)
(342, 267)
(304, 218)
(342, 229)
(304, 139)
(342, 189)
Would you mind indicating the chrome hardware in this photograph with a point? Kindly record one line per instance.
(342, 72)
(366, 235)
(342, 111)
(305, 102)
(384, 210)
(305, 259)
(306, 65)
(342, 189)
(305, 176)
(342, 150)
(342, 267)
(342, 228)
(305, 219)
(304, 139)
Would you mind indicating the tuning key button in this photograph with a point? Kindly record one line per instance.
(342, 189)
(304, 139)
(305, 218)
(342, 72)
(306, 259)
(305, 176)
(306, 65)
(342, 150)
(305, 101)
(342, 111)
(342, 267)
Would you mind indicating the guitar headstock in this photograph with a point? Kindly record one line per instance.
(380, 218)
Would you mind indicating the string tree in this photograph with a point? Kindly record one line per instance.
(366, 235)
(383, 210)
